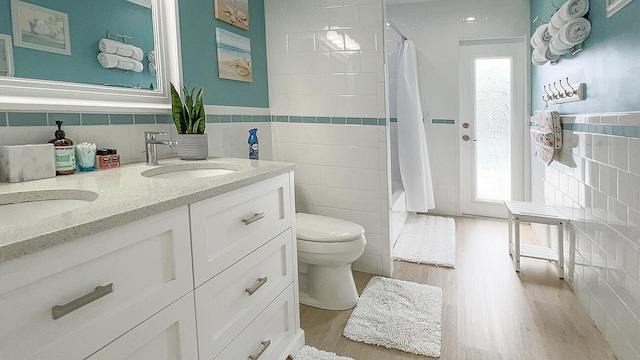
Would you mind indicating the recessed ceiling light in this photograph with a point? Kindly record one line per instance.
(470, 19)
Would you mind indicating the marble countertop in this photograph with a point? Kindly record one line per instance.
(124, 196)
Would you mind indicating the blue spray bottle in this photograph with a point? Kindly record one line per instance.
(253, 144)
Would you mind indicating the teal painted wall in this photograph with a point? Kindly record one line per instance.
(200, 61)
(609, 63)
(89, 21)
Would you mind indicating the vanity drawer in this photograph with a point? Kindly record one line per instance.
(272, 331)
(227, 227)
(123, 276)
(168, 335)
(224, 304)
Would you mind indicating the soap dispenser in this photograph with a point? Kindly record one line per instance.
(64, 151)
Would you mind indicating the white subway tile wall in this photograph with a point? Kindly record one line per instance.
(342, 172)
(225, 139)
(596, 182)
(326, 59)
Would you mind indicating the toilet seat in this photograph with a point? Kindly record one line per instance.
(324, 229)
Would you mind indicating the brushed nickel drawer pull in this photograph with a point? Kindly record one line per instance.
(59, 311)
(253, 219)
(263, 346)
(256, 286)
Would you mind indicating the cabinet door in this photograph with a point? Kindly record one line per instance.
(268, 335)
(227, 303)
(67, 301)
(168, 335)
(226, 228)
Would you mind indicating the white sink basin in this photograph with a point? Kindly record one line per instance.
(23, 207)
(190, 171)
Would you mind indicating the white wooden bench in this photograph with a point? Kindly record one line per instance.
(534, 213)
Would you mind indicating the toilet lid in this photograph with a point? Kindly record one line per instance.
(326, 229)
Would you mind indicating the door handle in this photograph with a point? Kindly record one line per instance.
(467, 138)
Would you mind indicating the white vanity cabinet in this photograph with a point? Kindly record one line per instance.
(96, 288)
(215, 279)
(244, 263)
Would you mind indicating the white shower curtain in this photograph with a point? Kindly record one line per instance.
(412, 142)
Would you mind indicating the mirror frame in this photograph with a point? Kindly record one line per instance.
(17, 94)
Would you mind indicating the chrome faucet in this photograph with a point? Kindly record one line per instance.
(151, 143)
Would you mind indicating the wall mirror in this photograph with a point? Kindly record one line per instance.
(60, 64)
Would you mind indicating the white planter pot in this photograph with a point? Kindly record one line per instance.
(193, 146)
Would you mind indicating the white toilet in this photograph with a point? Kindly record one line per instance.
(326, 249)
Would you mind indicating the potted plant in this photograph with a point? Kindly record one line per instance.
(190, 119)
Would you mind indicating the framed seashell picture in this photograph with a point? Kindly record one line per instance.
(234, 56)
(39, 28)
(6, 55)
(234, 12)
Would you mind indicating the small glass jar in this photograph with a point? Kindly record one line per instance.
(103, 159)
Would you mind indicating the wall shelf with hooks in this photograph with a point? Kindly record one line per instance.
(566, 92)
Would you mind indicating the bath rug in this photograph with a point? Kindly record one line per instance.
(311, 353)
(427, 239)
(399, 315)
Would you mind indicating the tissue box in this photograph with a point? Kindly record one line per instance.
(27, 162)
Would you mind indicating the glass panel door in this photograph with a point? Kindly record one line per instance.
(493, 129)
(492, 114)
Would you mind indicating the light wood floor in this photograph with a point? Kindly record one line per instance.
(490, 312)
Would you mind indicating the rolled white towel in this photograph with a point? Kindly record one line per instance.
(557, 47)
(545, 53)
(553, 31)
(541, 36)
(575, 31)
(152, 68)
(573, 9)
(110, 61)
(557, 22)
(114, 47)
(151, 55)
(535, 60)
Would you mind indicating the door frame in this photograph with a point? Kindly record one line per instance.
(519, 138)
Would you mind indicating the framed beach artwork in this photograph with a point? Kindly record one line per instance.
(234, 12)
(6, 56)
(234, 56)
(613, 6)
(39, 28)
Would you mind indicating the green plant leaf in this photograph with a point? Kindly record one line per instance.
(177, 110)
(199, 112)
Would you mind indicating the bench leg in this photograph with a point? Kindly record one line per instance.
(517, 247)
(560, 251)
(510, 222)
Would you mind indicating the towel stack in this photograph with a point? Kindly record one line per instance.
(114, 54)
(566, 29)
(152, 62)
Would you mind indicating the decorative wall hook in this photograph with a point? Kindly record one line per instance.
(563, 95)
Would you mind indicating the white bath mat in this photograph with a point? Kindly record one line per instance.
(311, 353)
(398, 315)
(427, 239)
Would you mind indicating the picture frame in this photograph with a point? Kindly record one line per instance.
(6, 56)
(613, 6)
(234, 56)
(39, 28)
(234, 12)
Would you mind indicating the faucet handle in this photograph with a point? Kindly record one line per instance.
(151, 135)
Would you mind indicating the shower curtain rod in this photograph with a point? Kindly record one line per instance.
(396, 29)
